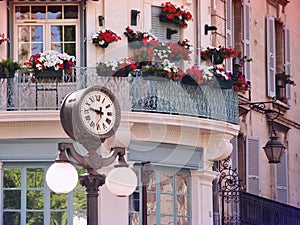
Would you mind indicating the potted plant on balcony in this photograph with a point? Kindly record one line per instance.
(197, 75)
(50, 64)
(240, 83)
(217, 54)
(2, 38)
(171, 13)
(117, 68)
(282, 79)
(8, 68)
(104, 37)
(223, 79)
(138, 39)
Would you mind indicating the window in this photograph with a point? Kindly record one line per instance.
(238, 35)
(168, 198)
(278, 59)
(45, 27)
(28, 200)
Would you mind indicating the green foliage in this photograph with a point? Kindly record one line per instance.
(8, 66)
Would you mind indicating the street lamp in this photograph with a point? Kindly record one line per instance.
(61, 177)
(90, 116)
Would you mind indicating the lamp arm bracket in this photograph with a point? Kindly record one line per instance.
(116, 151)
(73, 155)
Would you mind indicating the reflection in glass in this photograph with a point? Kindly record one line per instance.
(70, 49)
(58, 218)
(166, 220)
(12, 178)
(166, 204)
(24, 51)
(35, 218)
(166, 182)
(38, 12)
(12, 199)
(69, 33)
(134, 219)
(22, 12)
(134, 202)
(79, 218)
(35, 178)
(151, 203)
(36, 48)
(35, 199)
(24, 33)
(151, 219)
(182, 205)
(183, 221)
(11, 218)
(58, 201)
(56, 47)
(54, 12)
(182, 181)
(71, 12)
(152, 183)
(56, 33)
(79, 202)
(37, 33)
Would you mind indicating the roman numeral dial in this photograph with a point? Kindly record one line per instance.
(98, 112)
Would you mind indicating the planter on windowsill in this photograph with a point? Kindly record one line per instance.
(49, 74)
(217, 59)
(135, 44)
(163, 18)
(224, 84)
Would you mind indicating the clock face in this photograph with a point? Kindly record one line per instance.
(98, 112)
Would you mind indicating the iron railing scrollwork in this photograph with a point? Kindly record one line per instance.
(229, 193)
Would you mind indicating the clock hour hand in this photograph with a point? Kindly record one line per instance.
(97, 111)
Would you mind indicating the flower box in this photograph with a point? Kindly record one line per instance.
(187, 79)
(163, 18)
(225, 84)
(135, 44)
(49, 74)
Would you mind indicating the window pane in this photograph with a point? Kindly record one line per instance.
(56, 47)
(24, 52)
(151, 219)
(183, 221)
(166, 220)
(35, 200)
(79, 218)
(58, 201)
(151, 203)
(70, 49)
(152, 183)
(56, 33)
(12, 199)
(54, 12)
(183, 205)
(37, 34)
(36, 48)
(35, 218)
(22, 12)
(71, 12)
(182, 181)
(58, 218)
(38, 12)
(35, 178)
(12, 178)
(69, 33)
(24, 33)
(79, 200)
(166, 204)
(134, 219)
(134, 202)
(166, 183)
(11, 218)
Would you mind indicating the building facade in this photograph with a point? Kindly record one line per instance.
(186, 131)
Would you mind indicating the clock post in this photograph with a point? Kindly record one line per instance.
(90, 116)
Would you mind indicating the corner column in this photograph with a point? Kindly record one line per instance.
(202, 193)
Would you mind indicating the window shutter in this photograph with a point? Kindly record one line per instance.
(246, 38)
(229, 41)
(282, 180)
(271, 63)
(287, 62)
(159, 29)
(252, 165)
(234, 154)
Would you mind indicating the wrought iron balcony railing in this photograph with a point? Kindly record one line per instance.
(134, 94)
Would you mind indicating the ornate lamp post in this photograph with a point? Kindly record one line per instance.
(89, 116)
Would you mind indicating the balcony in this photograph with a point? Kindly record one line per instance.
(135, 94)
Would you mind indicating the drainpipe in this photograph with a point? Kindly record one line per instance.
(84, 52)
(198, 31)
